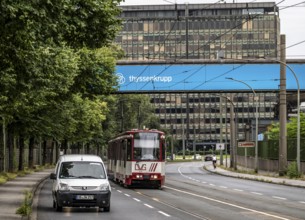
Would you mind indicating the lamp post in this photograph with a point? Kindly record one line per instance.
(256, 121)
(233, 151)
(234, 129)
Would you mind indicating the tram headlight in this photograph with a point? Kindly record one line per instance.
(139, 176)
(154, 176)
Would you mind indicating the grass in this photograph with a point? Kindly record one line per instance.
(26, 207)
(6, 176)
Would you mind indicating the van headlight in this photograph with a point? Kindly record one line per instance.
(105, 187)
(63, 187)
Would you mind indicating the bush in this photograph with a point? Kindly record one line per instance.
(26, 208)
(292, 170)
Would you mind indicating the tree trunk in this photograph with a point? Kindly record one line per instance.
(44, 153)
(52, 151)
(10, 145)
(87, 148)
(31, 152)
(21, 153)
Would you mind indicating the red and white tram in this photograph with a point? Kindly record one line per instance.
(137, 157)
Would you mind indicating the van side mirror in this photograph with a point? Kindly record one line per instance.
(53, 176)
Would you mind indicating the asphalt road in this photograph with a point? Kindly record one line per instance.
(190, 193)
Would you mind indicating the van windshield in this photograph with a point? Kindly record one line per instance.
(82, 170)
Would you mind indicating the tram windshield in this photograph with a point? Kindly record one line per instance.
(146, 146)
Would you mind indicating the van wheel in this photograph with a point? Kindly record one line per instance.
(57, 207)
(106, 209)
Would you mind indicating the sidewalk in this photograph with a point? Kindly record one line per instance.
(12, 193)
(261, 176)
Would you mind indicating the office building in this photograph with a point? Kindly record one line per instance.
(182, 34)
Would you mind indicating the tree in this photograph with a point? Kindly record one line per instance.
(126, 112)
(45, 47)
(274, 129)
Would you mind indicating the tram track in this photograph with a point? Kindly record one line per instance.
(171, 205)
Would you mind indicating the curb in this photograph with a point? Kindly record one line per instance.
(254, 178)
(35, 191)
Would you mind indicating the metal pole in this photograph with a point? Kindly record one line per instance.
(220, 111)
(183, 139)
(226, 126)
(283, 110)
(298, 115)
(256, 122)
(232, 133)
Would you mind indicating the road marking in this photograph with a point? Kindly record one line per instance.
(127, 195)
(163, 213)
(138, 200)
(203, 182)
(119, 191)
(211, 184)
(149, 206)
(239, 190)
(224, 187)
(302, 202)
(256, 193)
(281, 198)
(229, 204)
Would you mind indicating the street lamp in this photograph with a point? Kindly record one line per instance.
(233, 130)
(256, 122)
(233, 151)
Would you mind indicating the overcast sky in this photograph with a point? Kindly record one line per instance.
(292, 20)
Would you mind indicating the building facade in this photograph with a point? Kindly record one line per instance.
(201, 33)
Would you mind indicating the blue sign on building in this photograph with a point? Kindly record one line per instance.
(206, 77)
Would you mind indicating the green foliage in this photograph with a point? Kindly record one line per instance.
(127, 112)
(274, 129)
(26, 208)
(57, 64)
(292, 170)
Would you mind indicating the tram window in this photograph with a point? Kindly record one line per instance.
(128, 149)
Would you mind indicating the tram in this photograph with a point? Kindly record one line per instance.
(137, 158)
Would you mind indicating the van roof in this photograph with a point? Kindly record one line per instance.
(80, 157)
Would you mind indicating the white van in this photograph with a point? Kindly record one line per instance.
(80, 181)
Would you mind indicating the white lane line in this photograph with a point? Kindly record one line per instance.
(302, 202)
(224, 187)
(119, 191)
(281, 198)
(203, 182)
(211, 184)
(239, 190)
(163, 213)
(229, 204)
(149, 206)
(138, 200)
(127, 195)
(256, 193)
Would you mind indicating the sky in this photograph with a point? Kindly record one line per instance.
(292, 20)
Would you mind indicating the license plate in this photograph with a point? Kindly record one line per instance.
(85, 197)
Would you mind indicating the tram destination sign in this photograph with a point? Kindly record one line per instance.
(246, 144)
